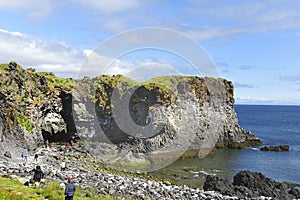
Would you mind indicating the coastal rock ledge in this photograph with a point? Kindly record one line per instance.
(275, 148)
(251, 185)
(163, 115)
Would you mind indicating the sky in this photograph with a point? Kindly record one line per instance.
(255, 44)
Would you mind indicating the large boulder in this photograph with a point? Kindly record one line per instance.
(248, 184)
(295, 193)
(261, 185)
(218, 184)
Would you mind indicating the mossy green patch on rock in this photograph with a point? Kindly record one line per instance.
(133, 164)
(56, 82)
(3, 66)
(25, 122)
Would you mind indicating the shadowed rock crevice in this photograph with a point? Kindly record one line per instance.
(67, 113)
(58, 122)
(128, 117)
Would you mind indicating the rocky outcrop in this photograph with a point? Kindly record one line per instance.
(32, 107)
(161, 116)
(248, 184)
(275, 148)
(116, 116)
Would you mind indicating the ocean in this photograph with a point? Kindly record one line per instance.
(274, 125)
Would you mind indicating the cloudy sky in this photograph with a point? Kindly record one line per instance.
(255, 44)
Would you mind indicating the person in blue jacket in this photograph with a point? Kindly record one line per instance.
(70, 189)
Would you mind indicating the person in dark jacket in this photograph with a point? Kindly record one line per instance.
(36, 157)
(70, 189)
(38, 174)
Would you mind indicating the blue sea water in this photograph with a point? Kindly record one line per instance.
(274, 125)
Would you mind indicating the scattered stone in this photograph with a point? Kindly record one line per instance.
(62, 185)
(247, 185)
(295, 193)
(7, 154)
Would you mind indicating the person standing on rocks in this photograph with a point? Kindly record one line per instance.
(25, 156)
(70, 190)
(63, 166)
(38, 175)
(36, 157)
(46, 143)
(68, 144)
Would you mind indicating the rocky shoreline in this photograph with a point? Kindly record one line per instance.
(89, 174)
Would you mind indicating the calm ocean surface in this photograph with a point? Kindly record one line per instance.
(275, 125)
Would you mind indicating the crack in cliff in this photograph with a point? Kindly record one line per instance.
(66, 129)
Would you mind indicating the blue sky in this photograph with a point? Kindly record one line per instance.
(255, 44)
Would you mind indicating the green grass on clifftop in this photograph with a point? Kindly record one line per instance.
(54, 81)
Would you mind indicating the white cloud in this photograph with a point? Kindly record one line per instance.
(210, 33)
(35, 9)
(15, 33)
(265, 101)
(139, 69)
(94, 65)
(30, 51)
(232, 18)
(225, 17)
(87, 52)
(109, 6)
(242, 85)
(293, 78)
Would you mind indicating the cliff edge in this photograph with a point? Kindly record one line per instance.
(185, 114)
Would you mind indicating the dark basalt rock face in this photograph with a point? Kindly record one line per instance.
(261, 184)
(215, 183)
(248, 184)
(275, 148)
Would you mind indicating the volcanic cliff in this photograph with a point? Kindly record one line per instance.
(165, 114)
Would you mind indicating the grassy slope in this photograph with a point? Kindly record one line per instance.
(13, 190)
